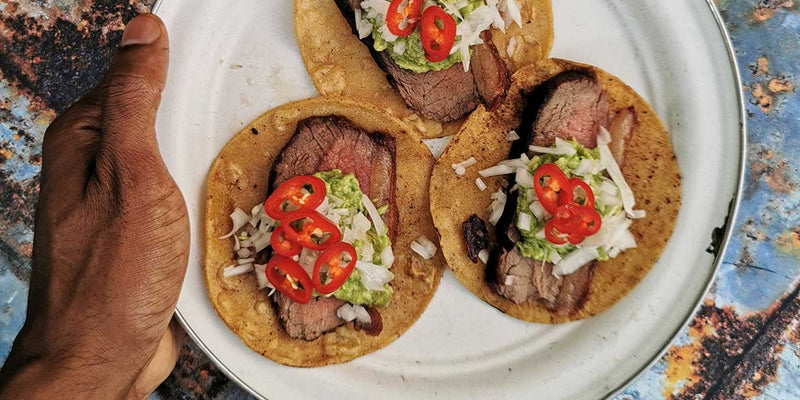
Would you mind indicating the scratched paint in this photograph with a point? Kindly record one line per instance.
(744, 343)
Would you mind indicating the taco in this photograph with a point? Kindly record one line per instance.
(340, 181)
(471, 48)
(554, 207)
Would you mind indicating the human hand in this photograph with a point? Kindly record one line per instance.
(111, 242)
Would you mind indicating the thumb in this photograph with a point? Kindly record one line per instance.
(131, 95)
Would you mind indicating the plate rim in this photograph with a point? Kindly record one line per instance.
(730, 221)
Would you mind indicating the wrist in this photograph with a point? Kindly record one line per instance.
(28, 375)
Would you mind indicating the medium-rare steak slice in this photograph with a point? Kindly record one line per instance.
(445, 95)
(571, 105)
(322, 144)
(449, 94)
(489, 72)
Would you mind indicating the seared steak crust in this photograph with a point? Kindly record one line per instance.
(476, 236)
(322, 144)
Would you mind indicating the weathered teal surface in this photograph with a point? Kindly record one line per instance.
(744, 343)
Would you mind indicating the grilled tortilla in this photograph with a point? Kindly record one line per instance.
(341, 65)
(239, 178)
(650, 169)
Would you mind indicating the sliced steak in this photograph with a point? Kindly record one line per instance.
(449, 94)
(476, 236)
(489, 71)
(571, 105)
(308, 321)
(322, 144)
(375, 325)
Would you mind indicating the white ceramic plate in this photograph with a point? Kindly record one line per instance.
(232, 60)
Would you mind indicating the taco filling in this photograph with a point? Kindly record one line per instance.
(569, 205)
(438, 54)
(322, 240)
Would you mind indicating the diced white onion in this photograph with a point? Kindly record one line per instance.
(424, 247)
(460, 170)
(470, 29)
(575, 260)
(261, 276)
(588, 167)
(608, 187)
(236, 270)
(562, 147)
(346, 313)
(255, 212)
(373, 276)
(380, 227)
(610, 227)
(361, 223)
(375, 7)
(387, 34)
(481, 184)
(521, 162)
(323, 207)
(512, 135)
(400, 48)
(512, 45)
(387, 257)
(244, 253)
(466, 163)
(524, 178)
(239, 219)
(510, 11)
(260, 240)
(335, 201)
(236, 244)
(307, 259)
(496, 170)
(497, 206)
(363, 26)
(245, 261)
(483, 255)
(610, 164)
(361, 314)
(524, 221)
(367, 251)
(538, 211)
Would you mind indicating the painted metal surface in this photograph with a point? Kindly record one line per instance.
(744, 343)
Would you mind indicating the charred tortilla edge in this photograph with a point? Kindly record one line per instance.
(341, 65)
(650, 169)
(239, 178)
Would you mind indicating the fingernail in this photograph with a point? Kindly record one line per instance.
(141, 30)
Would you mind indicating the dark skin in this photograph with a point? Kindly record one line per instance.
(111, 242)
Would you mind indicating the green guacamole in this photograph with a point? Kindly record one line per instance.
(346, 189)
(540, 248)
(413, 58)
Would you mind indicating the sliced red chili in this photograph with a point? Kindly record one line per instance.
(566, 219)
(329, 274)
(310, 229)
(553, 189)
(552, 234)
(283, 246)
(438, 33)
(403, 16)
(303, 192)
(576, 183)
(289, 278)
(590, 221)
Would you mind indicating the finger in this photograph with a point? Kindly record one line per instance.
(131, 96)
(70, 145)
(163, 361)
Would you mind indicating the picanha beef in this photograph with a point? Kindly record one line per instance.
(476, 236)
(571, 105)
(322, 144)
(449, 94)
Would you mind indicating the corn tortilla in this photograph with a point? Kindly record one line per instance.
(650, 169)
(239, 178)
